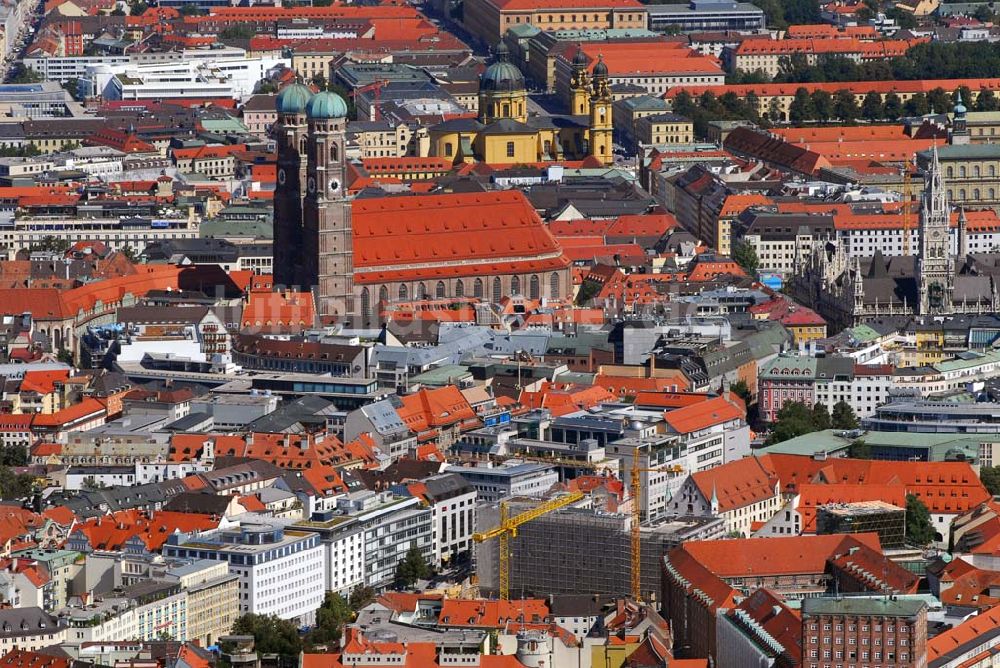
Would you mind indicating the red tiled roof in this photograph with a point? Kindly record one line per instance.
(737, 484)
(695, 417)
(427, 409)
(482, 613)
(747, 557)
(963, 635)
(450, 235)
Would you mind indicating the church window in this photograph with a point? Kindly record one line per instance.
(334, 155)
(421, 291)
(449, 150)
(366, 304)
(534, 287)
(497, 290)
(950, 171)
(439, 290)
(403, 293)
(554, 285)
(459, 288)
(976, 171)
(477, 288)
(383, 294)
(510, 149)
(515, 286)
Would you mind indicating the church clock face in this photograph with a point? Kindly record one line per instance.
(281, 176)
(334, 186)
(311, 184)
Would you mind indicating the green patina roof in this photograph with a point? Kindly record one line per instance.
(219, 227)
(446, 374)
(796, 367)
(968, 361)
(864, 333)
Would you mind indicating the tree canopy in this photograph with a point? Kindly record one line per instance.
(413, 567)
(271, 635)
(745, 255)
(919, 530)
(843, 416)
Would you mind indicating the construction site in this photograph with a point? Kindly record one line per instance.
(885, 519)
(572, 550)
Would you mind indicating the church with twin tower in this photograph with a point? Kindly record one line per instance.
(313, 244)
(356, 256)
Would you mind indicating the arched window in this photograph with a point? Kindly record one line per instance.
(993, 170)
(976, 171)
(383, 294)
(497, 290)
(439, 290)
(478, 289)
(961, 171)
(554, 285)
(993, 193)
(515, 286)
(334, 152)
(949, 170)
(366, 304)
(404, 294)
(961, 193)
(421, 291)
(534, 287)
(459, 288)
(975, 193)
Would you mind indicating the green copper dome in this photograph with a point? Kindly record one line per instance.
(293, 99)
(502, 75)
(326, 105)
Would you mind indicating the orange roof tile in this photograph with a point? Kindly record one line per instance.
(962, 635)
(736, 484)
(705, 414)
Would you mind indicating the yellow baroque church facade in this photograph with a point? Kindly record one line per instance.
(505, 133)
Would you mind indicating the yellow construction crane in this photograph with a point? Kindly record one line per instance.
(906, 209)
(507, 530)
(636, 486)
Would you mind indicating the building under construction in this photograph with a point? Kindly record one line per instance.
(581, 550)
(885, 519)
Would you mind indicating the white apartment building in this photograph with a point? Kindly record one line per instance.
(279, 568)
(452, 501)
(28, 629)
(366, 537)
(25, 231)
(222, 77)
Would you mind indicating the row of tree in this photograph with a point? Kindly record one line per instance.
(797, 419)
(928, 60)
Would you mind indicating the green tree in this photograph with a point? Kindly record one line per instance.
(65, 356)
(190, 9)
(13, 455)
(903, 19)
(820, 416)
(990, 477)
(859, 449)
(843, 416)
(940, 102)
(845, 106)
(266, 87)
(793, 419)
(892, 108)
(361, 597)
(986, 101)
(413, 567)
(130, 254)
(871, 106)
(745, 255)
(330, 619)
(918, 530)
(52, 244)
(823, 104)
(14, 485)
(238, 31)
(271, 635)
(984, 13)
(917, 105)
(24, 74)
(742, 390)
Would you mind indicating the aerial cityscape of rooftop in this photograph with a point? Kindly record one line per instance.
(499, 334)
